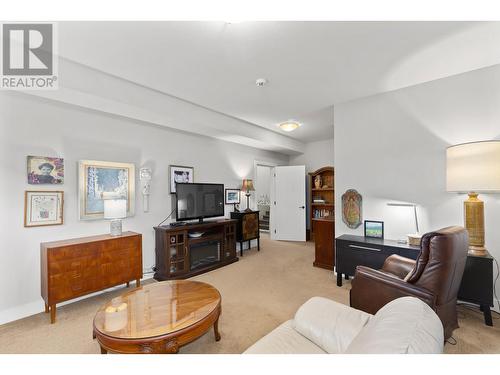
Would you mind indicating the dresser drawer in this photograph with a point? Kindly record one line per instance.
(69, 252)
(67, 286)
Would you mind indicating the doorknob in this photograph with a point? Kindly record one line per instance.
(302, 207)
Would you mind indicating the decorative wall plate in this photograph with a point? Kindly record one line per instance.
(351, 208)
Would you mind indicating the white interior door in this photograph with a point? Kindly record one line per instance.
(288, 203)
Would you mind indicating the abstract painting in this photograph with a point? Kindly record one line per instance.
(45, 170)
(43, 208)
(100, 180)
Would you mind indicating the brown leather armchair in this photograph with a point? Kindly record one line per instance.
(434, 277)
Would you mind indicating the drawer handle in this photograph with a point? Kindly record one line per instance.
(365, 248)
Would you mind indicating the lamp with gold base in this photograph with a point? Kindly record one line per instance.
(474, 167)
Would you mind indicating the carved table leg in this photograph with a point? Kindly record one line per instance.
(216, 330)
(103, 351)
(46, 308)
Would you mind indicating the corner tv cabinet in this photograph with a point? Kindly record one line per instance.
(187, 250)
(75, 267)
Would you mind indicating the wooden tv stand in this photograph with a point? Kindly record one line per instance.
(179, 255)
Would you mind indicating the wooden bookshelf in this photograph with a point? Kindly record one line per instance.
(321, 216)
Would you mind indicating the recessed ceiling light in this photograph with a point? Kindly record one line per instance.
(289, 125)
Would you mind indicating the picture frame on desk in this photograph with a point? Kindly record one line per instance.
(374, 229)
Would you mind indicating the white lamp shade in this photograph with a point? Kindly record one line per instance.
(473, 167)
(115, 208)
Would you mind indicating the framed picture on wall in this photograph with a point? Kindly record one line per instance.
(232, 196)
(45, 170)
(98, 180)
(180, 173)
(374, 229)
(42, 208)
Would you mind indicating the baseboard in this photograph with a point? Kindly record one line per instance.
(36, 307)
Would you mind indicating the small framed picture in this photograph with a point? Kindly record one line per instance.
(43, 208)
(374, 229)
(43, 170)
(179, 173)
(232, 196)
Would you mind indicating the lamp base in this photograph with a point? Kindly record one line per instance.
(474, 223)
(115, 227)
(478, 251)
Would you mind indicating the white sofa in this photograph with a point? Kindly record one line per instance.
(405, 325)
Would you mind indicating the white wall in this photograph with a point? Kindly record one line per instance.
(391, 147)
(35, 126)
(316, 155)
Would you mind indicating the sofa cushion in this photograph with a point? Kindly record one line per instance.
(405, 325)
(329, 324)
(284, 340)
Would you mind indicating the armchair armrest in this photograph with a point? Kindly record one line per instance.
(329, 324)
(372, 289)
(398, 265)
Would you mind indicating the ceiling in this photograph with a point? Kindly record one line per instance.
(310, 65)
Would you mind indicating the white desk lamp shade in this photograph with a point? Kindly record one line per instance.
(115, 208)
(473, 167)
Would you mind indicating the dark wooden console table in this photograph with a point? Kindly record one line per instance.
(352, 251)
(179, 254)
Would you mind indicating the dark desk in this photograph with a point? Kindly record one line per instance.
(352, 251)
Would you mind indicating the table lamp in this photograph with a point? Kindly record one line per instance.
(472, 168)
(247, 187)
(115, 210)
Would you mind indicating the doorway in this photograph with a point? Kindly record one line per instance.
(263, 175)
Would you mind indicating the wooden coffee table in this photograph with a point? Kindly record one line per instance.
(158, 318)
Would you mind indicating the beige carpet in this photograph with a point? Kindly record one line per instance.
(259, 292)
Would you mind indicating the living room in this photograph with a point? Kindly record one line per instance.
(250, 187)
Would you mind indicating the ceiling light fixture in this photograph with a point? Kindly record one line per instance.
(260, 82)
(289, 125)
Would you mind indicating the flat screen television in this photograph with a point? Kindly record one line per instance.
(199, 201)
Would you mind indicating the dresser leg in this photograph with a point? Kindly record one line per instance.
(128, 284)
(103, 351)
(346, 276)
(138, 283)
(46, 308)
(258, 244)
(52, 314)
(339, 279)
(241, 249)
(487, 315)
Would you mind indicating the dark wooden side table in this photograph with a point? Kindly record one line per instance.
(247, 228)
(352, 251)
(477, 284)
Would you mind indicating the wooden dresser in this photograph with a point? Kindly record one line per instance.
(79, 266)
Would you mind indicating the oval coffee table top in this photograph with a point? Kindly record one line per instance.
(157, 309)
